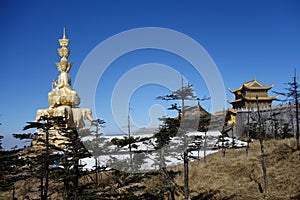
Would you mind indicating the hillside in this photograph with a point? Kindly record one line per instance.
(236, 176)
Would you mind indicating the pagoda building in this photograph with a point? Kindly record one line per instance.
(245, 96)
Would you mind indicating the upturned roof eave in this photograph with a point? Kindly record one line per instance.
(248, 86)
(253, 99)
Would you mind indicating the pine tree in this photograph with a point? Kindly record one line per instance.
(60, 162)
(183, 94)
(204, 123)
(39, 163)
(11, 169)
(70, 169)
(97, 146)
(292, 94)
(166, 132)
(14, 166)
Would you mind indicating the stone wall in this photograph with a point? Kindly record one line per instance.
(279, 117)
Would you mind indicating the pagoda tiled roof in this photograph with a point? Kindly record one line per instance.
(252, 85)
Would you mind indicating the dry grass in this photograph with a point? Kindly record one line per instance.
(238, 176)
(30, 187)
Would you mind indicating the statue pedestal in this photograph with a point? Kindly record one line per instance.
(74, 118)
(56, 98)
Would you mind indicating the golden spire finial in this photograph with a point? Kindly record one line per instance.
(64, 34)
(64, 52)
(64, 41)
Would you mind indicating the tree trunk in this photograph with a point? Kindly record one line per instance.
(96, 165)
(42, 187)
(263, 161)
(204, 157)
(185, 151)
(47, 170)
(297, 111)
(232, 136)
(13, 193)
(186, 174)
(248, 134)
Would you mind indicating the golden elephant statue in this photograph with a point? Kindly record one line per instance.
(81, 114)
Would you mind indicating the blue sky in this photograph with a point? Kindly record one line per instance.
(246, 39)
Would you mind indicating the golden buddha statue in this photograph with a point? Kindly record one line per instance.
(62, 92)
